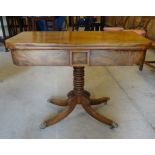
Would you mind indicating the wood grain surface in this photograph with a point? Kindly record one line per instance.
(82, 38)
(77, 48)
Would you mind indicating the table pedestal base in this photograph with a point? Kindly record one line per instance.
(79, 96)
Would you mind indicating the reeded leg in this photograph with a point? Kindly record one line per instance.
(58, 117)
(99, 100)
(86, 105)
(58, 102)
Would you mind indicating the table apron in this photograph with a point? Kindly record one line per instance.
(85, 57)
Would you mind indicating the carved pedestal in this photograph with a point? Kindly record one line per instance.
(79, 96)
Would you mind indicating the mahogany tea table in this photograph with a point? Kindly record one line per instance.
(78, 49)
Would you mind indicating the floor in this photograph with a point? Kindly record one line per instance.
(24, 92)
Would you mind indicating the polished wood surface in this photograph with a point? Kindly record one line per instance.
(81, 38)
(77, 48)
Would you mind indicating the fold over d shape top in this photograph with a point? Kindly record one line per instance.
(36, 39)
(93, 48)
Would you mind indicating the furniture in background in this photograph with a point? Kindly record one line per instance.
(78, 49)
(151, 35)
(89, 23)
(42, 23)
(118, 23)
(4, 35)
(3, 28)
(16, 24)
(137, 24)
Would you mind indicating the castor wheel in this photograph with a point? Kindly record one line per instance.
(114, 125)
(43, 125)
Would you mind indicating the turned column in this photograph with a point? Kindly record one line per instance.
(78, 81)
(79, 96)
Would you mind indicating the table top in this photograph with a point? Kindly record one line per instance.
(46, 39)
(65, 48)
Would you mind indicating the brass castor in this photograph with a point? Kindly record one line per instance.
(114, 125)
